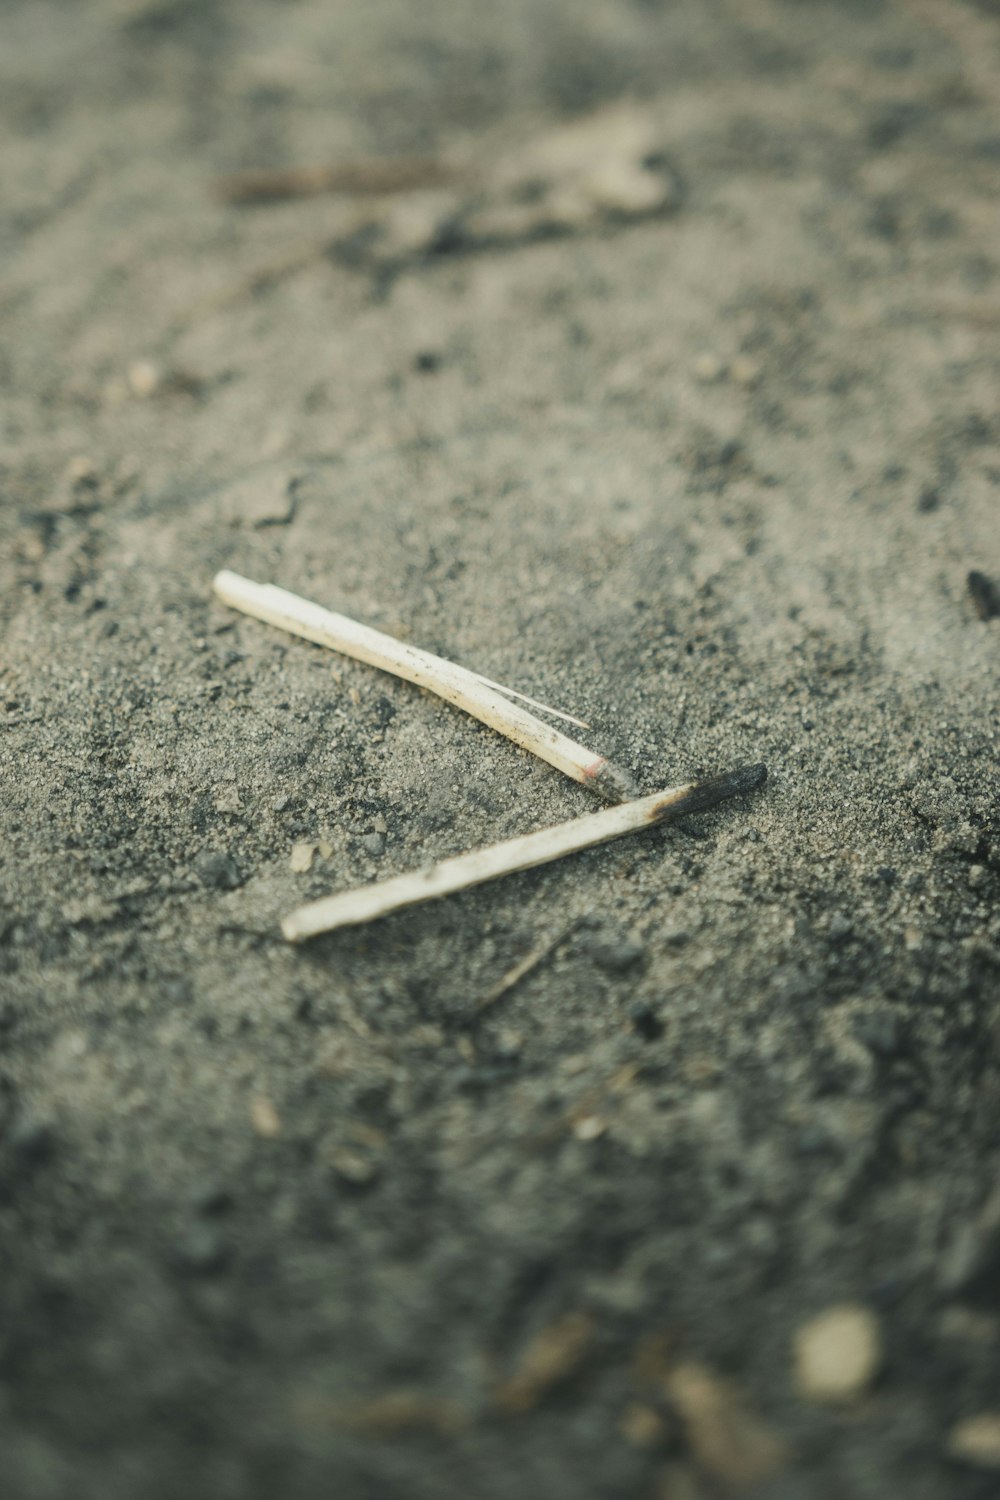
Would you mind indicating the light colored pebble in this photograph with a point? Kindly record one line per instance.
(976, 1441)
(144, 378)
(301, 858)
(264, 1117)
(837, 1354)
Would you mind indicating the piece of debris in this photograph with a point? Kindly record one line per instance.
(371, 178)
(642, 1426)
(366, 903)
(264, 1118)
(301, 858)
(479, 696)
(358, 1168)
(976, 1441)
(389, 1415)
(985, 595)
(837, 1354)
(521, 970)
(727, 1438)
(551, 1359)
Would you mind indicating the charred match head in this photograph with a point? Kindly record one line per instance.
(704, 794)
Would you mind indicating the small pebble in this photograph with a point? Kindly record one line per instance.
(837, 1354)
(218, 870)
(301, 858)
(645, 1021)
(708, 368)
(976, 1441)
(616, 957)
(373, 844)
(264, 1118)
(353, 1167)
(985, 595)
(144, 378)
(590, 1128)
(977, 876)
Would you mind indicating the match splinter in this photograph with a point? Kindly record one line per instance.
(478, 696)
(365, 904)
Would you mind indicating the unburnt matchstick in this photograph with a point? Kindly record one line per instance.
(365, 904)
(478, 696)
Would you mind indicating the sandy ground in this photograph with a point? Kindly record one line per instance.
(708, 466)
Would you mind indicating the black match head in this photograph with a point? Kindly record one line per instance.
(704, 794)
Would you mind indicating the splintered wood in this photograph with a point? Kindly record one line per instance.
(489, 702)
(524, 853)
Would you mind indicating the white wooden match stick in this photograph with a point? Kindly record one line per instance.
(478, 696)
(370, 901)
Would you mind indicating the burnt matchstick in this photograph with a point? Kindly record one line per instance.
(478, 696)
(366, 903)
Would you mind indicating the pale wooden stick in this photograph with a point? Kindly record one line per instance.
(453, 683)
(368, 902)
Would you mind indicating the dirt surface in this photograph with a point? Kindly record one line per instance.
(693, 432)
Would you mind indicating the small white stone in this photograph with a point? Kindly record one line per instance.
(837, 1354)
(144, 378)
(976, 1441)
(301, 858)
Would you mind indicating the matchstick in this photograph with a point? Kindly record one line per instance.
(368, 902)
(478, 696)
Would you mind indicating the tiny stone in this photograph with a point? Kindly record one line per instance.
(837, 1354)
(645, 1021)
(708, 368)
(616, 957)
(977, 876)
(264, 1118)
(590, 1128)
(301, 858)
(81, 473)
(985, 595)
(675, 937)
(144, 378)
(218, 870)
(976, 1441)
(353, 1167)
(373, 844)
